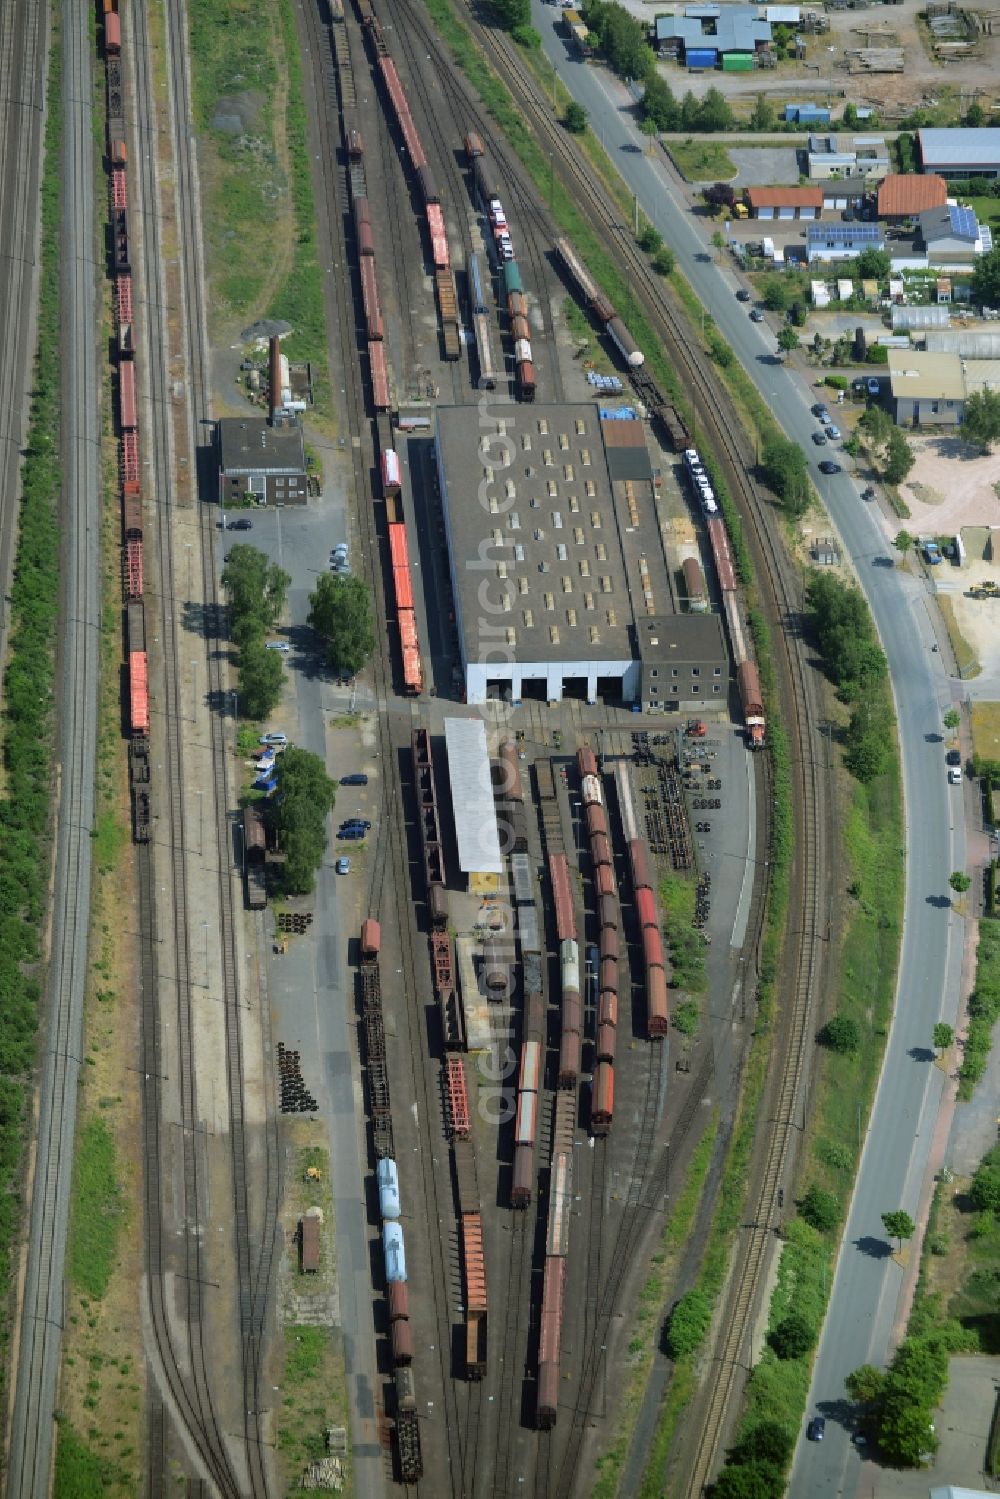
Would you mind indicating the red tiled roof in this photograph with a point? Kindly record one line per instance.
(901, 194)
(785, 197)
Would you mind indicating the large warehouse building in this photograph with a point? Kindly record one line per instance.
(559, 579)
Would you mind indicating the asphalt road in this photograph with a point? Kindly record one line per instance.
(867, 1280)
(43, 1309)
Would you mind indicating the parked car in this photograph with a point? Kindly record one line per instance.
(277, 645)
(351, 835)
(819, 438)
(820, 412)
(873, 387)
(242, 524)
(829, 467)
(954, 776)
(340, 550)
(833, 432)
(816, 1428)
(953, 757)
(742, 295)
(343, 865)
(357, 778)
(356, 822)
(756, 316)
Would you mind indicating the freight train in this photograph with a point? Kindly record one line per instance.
(407, 1428)
(487, 191)
(606, 892)
(556, 1250)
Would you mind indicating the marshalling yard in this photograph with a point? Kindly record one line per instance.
(563, 707)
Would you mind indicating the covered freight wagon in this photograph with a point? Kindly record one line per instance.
(379, 376)
(369, 298)
(748, 682)
(391, 476)
(138, 686)
(694, 584)
(309, 1242)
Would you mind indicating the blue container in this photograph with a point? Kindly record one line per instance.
(701, 57)
(392, 1248)
(388, 1189)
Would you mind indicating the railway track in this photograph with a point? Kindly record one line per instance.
(429, 1190)
(783, 598)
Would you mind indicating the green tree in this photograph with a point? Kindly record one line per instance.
(256, 588)
(659, 104)
(981, 421)
(719, 241)
(905, 1434)
(776, 295)
(784, 468)
(513, 13)
(261, 678)
(340, 613)
(575, 118)
(986, 279)
(299, 818)
(841, 1034)
(649, 128)
(850, 116)
(793, 1336)
(876, 423)
(747, 1481)
(975, 116)
(952, 719)
(985, 1188)
(865, 1384)
(650, 239)
(899, 1225)
(762, 114)
(874, 265)
(943, 1036)
(768, 1443)
(845, 635)
(899, 458)
(715, 113)
(820, 1209)
(664, 261)
(959, 881)
(788, 339)
(869, 735)
(903, 541)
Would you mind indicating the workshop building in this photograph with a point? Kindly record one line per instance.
(784, 202)
(472, 803)
(928, 389)
(842, 241)
(953, 236)
(556, 560)
(903, 195)
(261, 463)
(960, 152)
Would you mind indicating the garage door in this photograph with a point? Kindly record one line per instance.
(786, 213)
(808, 213)
(766, 213)
(840, 203)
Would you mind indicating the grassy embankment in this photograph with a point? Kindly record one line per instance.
(259, 218)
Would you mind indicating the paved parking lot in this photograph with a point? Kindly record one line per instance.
(770, 166)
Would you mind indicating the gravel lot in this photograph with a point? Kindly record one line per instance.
(772, 166)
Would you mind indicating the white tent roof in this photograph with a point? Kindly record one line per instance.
(472, 796)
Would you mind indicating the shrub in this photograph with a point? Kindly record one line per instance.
(841, 1034)
(820, 1209)
(793, 1337)
(688, 1323)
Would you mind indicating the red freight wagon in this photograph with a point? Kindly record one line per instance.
(371, 939)
(119, 188)
(607, 911)
(526, 380)
(722, 555)
(597, 819)
(112, 33)
(413, 672)
(138, 687)
(603, 1107)
(565, 917)
(369, 298)
(130, 462)
(119, 154)
(380, 376)
(560, 1204)
(399, 1300)
(553, 1283)
(572, 1011)
(604, 880)
(586, 761)
(526, 1121)
(355, 144)
(519, 328)
(126, 395)
(402, 587)
(398, 550)
(524, 1173)
(609, 943)
(473, 1263)
(645, 905)
(607, 1007)
(569, 1059)
(656, 996)
(600, 849)
(473, 146)
(530, 1067)
(133, 570)
(609, 973)
(123, 298)
(640, 865)
(439, 235)
(366, 239)
(401, 1336)
(605, 1048)
(132, 514)
(456, 1096)
(517, 304)
(652, 947)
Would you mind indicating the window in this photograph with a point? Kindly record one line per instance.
(695, 687)
(557, 520)
(588, 601)
(497, 538)
(525, 442)
(675, 689)
(547, 457)
(511, 635)
(585, 457)
(602, 552)
(561, 553)
(501, 569)
(539, 535)
(494, 505)
(567, 583)
(581, 427)
(568, 471)
(696, 671)
(595, 635)
(509, 489)
(590, 487)
(605, 583)
(571, 618)
(554, 634)
(612, 619)
(507, 601)
(563, 442)
(529, 619)
(543, 426)
(522, 584)
(595, 519)
(552, 488)
(518, 553)
(654, 672)
(584, 568)
(488, 475)
(654, 692)
(548, 601)
(673, 671)
(716, 688)
(574, 504)
(578, 535)
(716, 671)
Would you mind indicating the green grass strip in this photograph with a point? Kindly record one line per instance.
(97, 1210)
(80, 1472)
(27, 724)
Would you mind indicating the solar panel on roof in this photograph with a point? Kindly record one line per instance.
(963, 220)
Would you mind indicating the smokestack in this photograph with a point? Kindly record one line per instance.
(274, 381)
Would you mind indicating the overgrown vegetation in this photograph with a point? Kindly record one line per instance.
(687, 949)
(341, 614)
(256, 590)
(984, 1009)
(843, 629)
(80, 1472)
(27, 724)
(97, 1209)
(784, 469)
